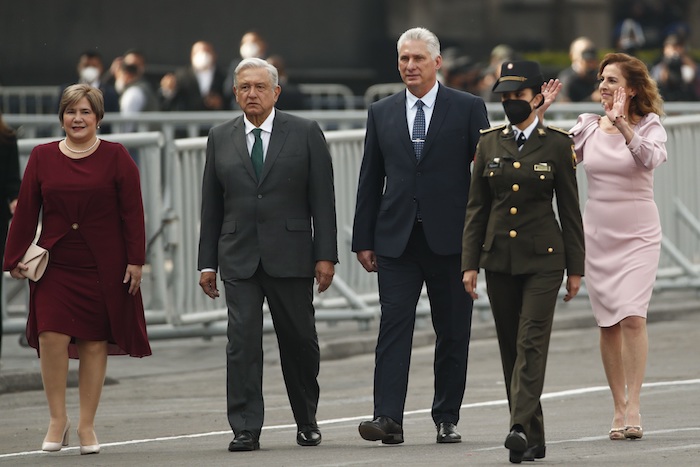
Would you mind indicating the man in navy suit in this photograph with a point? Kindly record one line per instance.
(411, 202)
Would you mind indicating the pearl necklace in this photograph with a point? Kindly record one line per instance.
(82, 151)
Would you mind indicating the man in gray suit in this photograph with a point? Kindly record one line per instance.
(269, 226)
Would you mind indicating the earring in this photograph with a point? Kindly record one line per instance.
(98, 126)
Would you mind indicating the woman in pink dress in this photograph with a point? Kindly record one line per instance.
(621, 223)
(88, 303)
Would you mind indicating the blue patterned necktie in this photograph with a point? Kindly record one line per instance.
(256, 155)
(419, 130)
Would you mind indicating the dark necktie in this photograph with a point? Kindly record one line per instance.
(256, 155)
(521, 140)
(419, 130)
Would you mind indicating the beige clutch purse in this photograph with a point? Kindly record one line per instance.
(36, 258)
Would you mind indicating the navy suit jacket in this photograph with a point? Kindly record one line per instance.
(393, 185)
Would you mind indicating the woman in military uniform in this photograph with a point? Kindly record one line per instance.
(512, 233)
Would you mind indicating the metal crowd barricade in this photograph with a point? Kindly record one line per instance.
(29, 99)
(323, 96)
(171, 123)
(378, 91)
(190, 304)
(177, 307)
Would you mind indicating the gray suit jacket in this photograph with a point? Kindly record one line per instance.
(286, 221)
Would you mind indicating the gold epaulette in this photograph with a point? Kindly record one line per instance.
(560, 130)
(493, 128)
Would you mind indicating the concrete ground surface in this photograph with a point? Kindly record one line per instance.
(169, 409)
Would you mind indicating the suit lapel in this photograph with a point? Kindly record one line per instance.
(277, 139)
(240, 147)
(534, 142)
(442, 105)
(399, 110)
(508, 141)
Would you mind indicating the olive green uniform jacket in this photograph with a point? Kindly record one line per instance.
(510, 224)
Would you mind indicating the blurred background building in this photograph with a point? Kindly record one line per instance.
(323, 41)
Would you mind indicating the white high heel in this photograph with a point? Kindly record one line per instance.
(51, 446)
(90, 448)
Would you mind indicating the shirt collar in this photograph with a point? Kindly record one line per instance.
(528, 131)
(266, 125)
(428, 99)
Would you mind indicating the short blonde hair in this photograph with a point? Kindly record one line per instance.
(74, 93)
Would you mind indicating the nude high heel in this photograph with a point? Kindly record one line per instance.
(51, 446)
(634, 431)
(90, 448)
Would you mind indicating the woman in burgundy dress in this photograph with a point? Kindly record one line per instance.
(88, 303)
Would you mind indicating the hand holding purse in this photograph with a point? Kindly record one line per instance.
(36, 259)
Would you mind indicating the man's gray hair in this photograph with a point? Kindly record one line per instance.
(250, 63)
(420, 34)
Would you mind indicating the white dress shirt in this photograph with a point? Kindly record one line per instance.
(266, 128)
(428, 107)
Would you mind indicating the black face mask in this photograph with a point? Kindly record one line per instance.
(517, 110)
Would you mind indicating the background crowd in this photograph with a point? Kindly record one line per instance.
(659, 38)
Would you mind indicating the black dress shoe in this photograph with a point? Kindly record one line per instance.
(516, 442)
(308, 435)
(382, 429)
(447, 433)
(244, 441)
(534, 452)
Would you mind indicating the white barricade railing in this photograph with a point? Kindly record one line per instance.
(29, 99)
(172, 198)
(184, 124)
(324, 96)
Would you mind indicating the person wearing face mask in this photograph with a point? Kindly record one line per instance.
(620, 151)
(252, 46)
(90, 68)
(511, 231)
(197, 87)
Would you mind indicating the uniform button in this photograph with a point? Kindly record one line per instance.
(75, 226)
(490, 174)
(516, 164)
(259, 196)
(516, 187)
(541, 177)
(513, 234)
(550, 250)
(513, 210)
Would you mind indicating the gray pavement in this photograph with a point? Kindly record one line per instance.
(169, 409)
